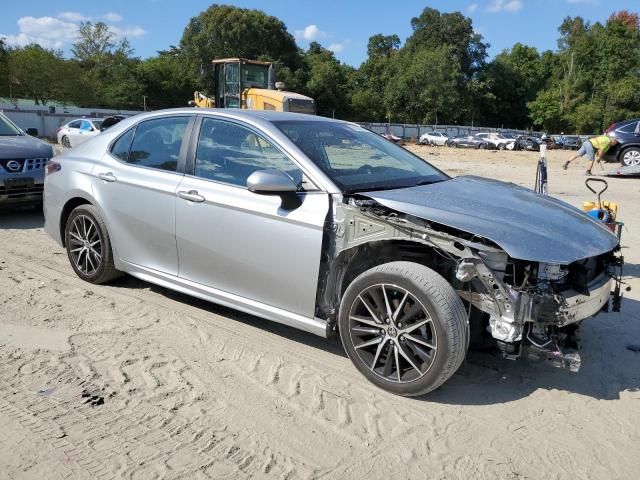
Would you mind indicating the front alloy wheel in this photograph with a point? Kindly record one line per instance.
(393, 333)
(404, 327)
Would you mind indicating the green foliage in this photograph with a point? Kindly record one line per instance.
(223, 31)
(424, 86)
(439, 75)
(42, 75)
(326, 81)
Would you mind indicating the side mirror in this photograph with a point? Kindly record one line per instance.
(275, 182)
(32, 131)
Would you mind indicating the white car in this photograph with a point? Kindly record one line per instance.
(433, 138)
(497, 140)
(78, 131)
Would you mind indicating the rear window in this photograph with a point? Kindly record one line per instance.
(120, 148)
(629, 128)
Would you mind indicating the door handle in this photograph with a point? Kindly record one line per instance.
(107, 177)
(191, 195)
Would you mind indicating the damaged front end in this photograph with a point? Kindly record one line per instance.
(527, 307)
(534, 307)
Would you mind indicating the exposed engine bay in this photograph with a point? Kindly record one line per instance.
(527, 307)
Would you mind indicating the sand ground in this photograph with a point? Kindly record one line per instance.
(131, 380)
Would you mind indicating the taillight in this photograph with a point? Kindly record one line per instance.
(52, 167)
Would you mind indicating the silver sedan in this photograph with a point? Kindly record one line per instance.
(324, 226)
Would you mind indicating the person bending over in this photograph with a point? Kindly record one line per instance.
(592, 148)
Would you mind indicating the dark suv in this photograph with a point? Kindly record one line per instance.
(22, 163)
(627, 150)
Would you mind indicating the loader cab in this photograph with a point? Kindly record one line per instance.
(232, 76)
(250, 84)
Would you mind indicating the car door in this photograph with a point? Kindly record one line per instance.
(241, 242)
(135, 185)
(85, 132)
(73, 132)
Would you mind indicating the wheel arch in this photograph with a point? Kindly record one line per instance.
(624, 148)
(352, 262)
(71, 204)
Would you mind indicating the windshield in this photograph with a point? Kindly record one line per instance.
(357, 159)
(7, 128)
(97, 123)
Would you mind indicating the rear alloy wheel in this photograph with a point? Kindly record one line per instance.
(88, 245)
(404, 327)
(66, 143)
(630, 157)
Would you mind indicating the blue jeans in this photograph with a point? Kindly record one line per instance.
(588, 150)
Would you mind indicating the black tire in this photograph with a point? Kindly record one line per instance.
(447, 324)
(632, 151)
(66, 143)
(502, 146)
(105, 270)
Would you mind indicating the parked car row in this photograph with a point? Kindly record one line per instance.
(493, 140)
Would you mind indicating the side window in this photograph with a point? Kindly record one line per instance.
(229, 153)
(121, 146)
(85, 126)
(156, 143)
(630, 128)
(75, 124)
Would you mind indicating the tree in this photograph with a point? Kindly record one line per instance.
(382, 46)
(97, 44)
(42, 74)
(514, 77)
(163, 81)
(4, 68)
(108, 67)
(433, 29)
(224, 31)
(597, 66)
(368, 83)
(424, 86)
(327, 81)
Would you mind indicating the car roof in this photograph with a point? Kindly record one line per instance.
(87, 119)
(267, 115)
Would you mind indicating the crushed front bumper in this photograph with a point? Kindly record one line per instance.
(577, 306)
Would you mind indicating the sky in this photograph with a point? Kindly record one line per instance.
(343, 26)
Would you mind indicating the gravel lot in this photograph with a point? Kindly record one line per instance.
(131, 380)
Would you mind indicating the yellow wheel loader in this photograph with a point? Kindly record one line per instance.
(250, 84)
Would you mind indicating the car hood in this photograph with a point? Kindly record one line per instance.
(526, 225)
(24, 146)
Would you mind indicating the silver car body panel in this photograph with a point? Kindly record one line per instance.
(308, 324)
(139, 207)
(239, 241)
(526, 225)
